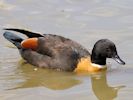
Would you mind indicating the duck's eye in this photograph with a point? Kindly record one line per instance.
(107, 49)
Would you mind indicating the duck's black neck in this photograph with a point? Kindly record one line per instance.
(98, 59)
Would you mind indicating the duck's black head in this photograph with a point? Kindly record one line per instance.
(103, 49)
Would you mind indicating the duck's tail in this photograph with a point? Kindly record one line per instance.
(25, 32)
(13, 38)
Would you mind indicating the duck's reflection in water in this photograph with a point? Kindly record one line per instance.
(48, 78)
(101, 88)
(56, 80)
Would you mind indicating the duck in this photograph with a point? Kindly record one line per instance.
(57, 52)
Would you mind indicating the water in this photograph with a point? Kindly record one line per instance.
(84, 21)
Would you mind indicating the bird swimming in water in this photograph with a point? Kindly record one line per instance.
(60, 53)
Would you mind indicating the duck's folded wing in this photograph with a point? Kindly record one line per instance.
(35, 58)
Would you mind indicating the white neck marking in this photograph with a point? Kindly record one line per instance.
(98, 66)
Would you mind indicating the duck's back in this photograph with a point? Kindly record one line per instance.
(55, 44)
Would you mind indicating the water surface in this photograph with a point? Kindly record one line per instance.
(84, 21)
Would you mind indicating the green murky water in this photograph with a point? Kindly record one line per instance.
(84, 21)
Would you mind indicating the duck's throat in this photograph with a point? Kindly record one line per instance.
(98, 60)
(85, 65)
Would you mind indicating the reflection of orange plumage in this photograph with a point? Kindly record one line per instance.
(30, 43)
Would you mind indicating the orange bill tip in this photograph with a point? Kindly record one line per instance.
(30, 43)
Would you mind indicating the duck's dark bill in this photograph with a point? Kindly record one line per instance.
(119, 60)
